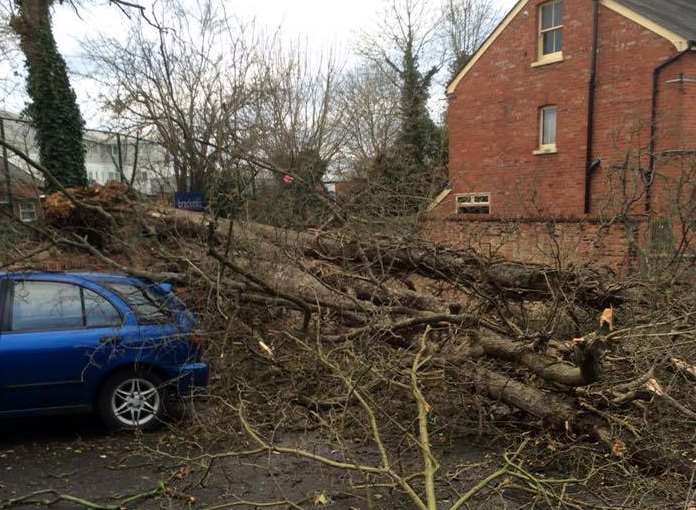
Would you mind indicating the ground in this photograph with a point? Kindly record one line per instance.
(76, 456)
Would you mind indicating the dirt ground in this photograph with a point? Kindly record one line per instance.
(76, 456)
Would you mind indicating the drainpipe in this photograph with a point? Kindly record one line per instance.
(590, 164)
(653, 124)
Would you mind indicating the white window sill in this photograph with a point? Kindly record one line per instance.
(545, 150)
(551, 58)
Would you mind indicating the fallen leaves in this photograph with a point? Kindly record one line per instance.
(182, 472)
(654, 387)
(684, 367)
(321, 499)
(618, 448)
(607, 318)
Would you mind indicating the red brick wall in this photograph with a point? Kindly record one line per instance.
(493, 129)
(548, 242)
(493, 115)
(675, 182)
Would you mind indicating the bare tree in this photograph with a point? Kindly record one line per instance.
(405, 26)
(370, 103)
(9, 58)
(299, 110)
(466, 24)
(186, 78)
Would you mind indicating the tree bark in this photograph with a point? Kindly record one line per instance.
(547, 368)
(501, 278)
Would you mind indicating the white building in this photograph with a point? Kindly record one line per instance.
(153, 172)
(107, 152)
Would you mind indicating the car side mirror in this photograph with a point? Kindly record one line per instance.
(166, 288)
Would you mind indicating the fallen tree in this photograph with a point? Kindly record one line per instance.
(494, 324)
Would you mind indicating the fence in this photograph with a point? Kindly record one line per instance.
(109, 156)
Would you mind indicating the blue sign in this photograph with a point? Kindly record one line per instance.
(191, 201)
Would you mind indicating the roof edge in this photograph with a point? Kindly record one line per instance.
(451, 87)
(680, 43)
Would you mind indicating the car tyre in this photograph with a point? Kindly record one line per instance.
(133, 400)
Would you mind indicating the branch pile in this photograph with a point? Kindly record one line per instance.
(572, 350)
(541, 340)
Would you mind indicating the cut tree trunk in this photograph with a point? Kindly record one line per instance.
(494, 277)
(547, 368)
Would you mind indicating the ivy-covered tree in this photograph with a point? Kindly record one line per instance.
(407, 39)
(418, 140)
(53, 109)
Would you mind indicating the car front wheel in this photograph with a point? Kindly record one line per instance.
(132, 400)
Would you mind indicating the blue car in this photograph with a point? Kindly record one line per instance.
(84, 342)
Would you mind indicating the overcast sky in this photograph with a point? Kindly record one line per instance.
(322, 23)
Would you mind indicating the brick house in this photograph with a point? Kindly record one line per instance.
(24, 194)
(570, 111)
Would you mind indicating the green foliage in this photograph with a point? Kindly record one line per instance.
(54, 110)
(418, 141)
(400, 184)
(405, 175)
(306, 164)
(458, 64)
(299, 195)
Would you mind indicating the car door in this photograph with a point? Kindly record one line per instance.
(165, 325)
(56, 336)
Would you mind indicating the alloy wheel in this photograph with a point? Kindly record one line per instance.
(135, 402)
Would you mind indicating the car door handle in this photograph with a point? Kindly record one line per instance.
(109, 339)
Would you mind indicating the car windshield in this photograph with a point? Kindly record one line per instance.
(149, 305)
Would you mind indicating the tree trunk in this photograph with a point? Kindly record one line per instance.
(496, 278)
(54, 111)
(543, 366)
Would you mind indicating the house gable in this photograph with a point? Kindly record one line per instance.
(487, 44)
(656, 25)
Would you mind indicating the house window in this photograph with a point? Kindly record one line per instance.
(550, 28)
(114, 177)
(547, 129)
(27, 212)
(474, 203)
(4, 199)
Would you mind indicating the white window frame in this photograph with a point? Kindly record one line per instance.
(22, 210)
(556, 56)
(547, 148)
(465, 201)
(4, 199)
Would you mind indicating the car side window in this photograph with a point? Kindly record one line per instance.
(46, 305)
(99, 313)
(149, 308)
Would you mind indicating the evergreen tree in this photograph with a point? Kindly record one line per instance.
(417, 141)
(407, 170)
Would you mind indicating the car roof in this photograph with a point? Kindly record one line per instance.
(73, 276)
